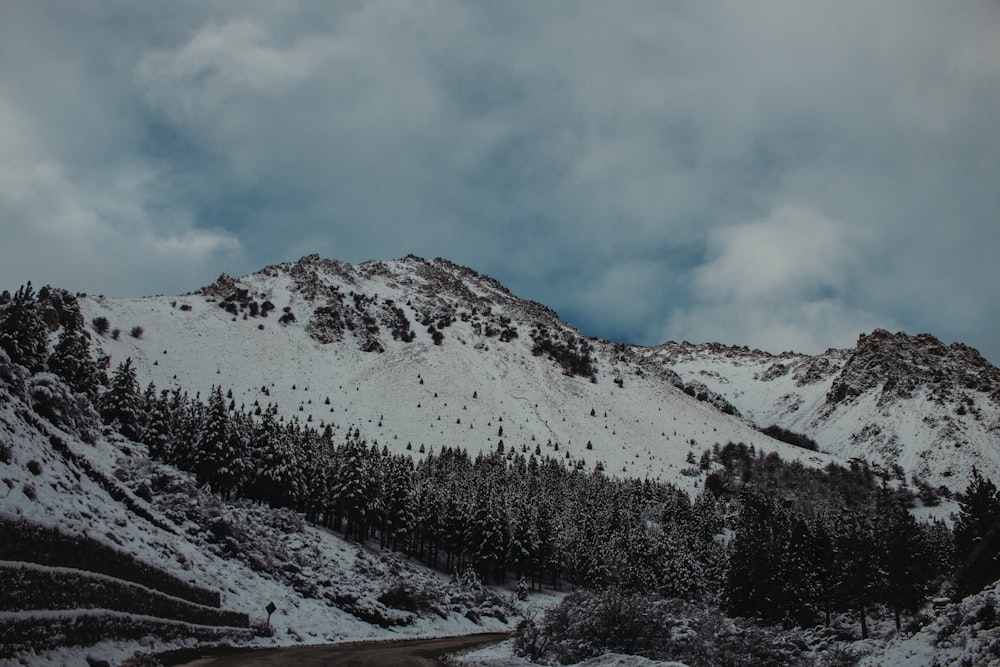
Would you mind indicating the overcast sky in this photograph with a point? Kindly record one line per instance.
(783, 175)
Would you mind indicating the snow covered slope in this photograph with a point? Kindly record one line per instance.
(895, 399)
(106, 491)
(418, 354)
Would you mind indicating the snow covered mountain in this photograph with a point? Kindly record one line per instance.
(418, 353)
(415, 355)
(895, 399)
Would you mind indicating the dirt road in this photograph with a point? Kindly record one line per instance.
(407, 653)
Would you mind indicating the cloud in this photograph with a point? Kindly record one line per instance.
(793, 254)
(781, 283)
(222, 64)
(634, 169)
(101, 239)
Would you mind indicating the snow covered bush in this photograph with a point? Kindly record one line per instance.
(468, 592)
(589, 623)
(369, 610)
(60, 405)
(144, 660)
(261, 537)
(411, 596)
(963, 634)
(12, 375)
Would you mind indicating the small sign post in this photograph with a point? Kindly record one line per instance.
(270, 608)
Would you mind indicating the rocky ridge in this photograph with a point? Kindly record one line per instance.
(905, 401)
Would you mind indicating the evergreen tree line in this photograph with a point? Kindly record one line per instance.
(503, 513)
(734, 466)
(844, 543)
(791, 568)
(770, 539)
(808, 542)
(27, 320)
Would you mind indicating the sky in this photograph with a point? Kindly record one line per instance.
(782, 175)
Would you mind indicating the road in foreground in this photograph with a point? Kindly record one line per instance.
(407, 653)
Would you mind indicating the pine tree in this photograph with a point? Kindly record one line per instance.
(71, 360)
(23, 332)
(799, 581)
(861, 573)
(314, 477)
(977, 536)
(939, 547)
(426, 539)
(749, 585)
(398, 502)
(185, 423)
(158, 423)
(522, 555)
(377, 481)
(218, 448)
(826, 568)
(272, 480)
(638, 553)
(352, 489)
(488, 539)
(686, 566)
(121, 405)
(454, 528)
(241, 464)
(907, 566)
(587, 539)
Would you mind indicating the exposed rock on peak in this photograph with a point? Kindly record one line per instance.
(899, 400)
(898, 364)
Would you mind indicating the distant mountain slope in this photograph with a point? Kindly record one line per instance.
(418, 354)
(894, 399)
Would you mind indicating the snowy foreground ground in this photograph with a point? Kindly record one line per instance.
(962, 635)
(502, 655)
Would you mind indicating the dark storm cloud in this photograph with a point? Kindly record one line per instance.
(777, 174)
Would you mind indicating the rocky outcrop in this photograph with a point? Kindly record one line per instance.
(897, 365)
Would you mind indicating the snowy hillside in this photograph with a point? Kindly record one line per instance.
(130, 515)
(894, 400)
(109, 497)
(418, 354)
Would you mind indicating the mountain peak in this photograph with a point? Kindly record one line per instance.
(422, 354)
(900, 363)
(377, 300)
